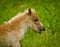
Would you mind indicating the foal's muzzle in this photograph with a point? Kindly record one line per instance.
(41, 29)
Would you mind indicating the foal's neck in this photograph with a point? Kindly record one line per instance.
(20, 21)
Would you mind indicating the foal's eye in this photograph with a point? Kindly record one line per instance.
(35, 19)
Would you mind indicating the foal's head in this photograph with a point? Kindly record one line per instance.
(34, 22)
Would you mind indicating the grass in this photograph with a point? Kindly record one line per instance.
(48, 11)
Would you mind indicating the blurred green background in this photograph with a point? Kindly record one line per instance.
(49, 13)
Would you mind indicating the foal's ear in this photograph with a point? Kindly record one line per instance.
(29, 11)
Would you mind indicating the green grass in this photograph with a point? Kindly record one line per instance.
(48, 11)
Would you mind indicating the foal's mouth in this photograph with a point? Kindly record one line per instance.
(41, 30)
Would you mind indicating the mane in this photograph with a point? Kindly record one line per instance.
(14, 18)
(18, 15)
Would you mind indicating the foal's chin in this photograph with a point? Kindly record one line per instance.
(37, 31)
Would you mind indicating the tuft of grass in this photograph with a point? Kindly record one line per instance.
(49, 13)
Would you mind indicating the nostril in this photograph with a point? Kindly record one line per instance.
(43, 28)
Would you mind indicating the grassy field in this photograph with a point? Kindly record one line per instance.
(48, 11)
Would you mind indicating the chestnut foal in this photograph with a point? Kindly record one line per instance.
(13, 31)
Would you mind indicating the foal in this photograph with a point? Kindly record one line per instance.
(13, 31)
